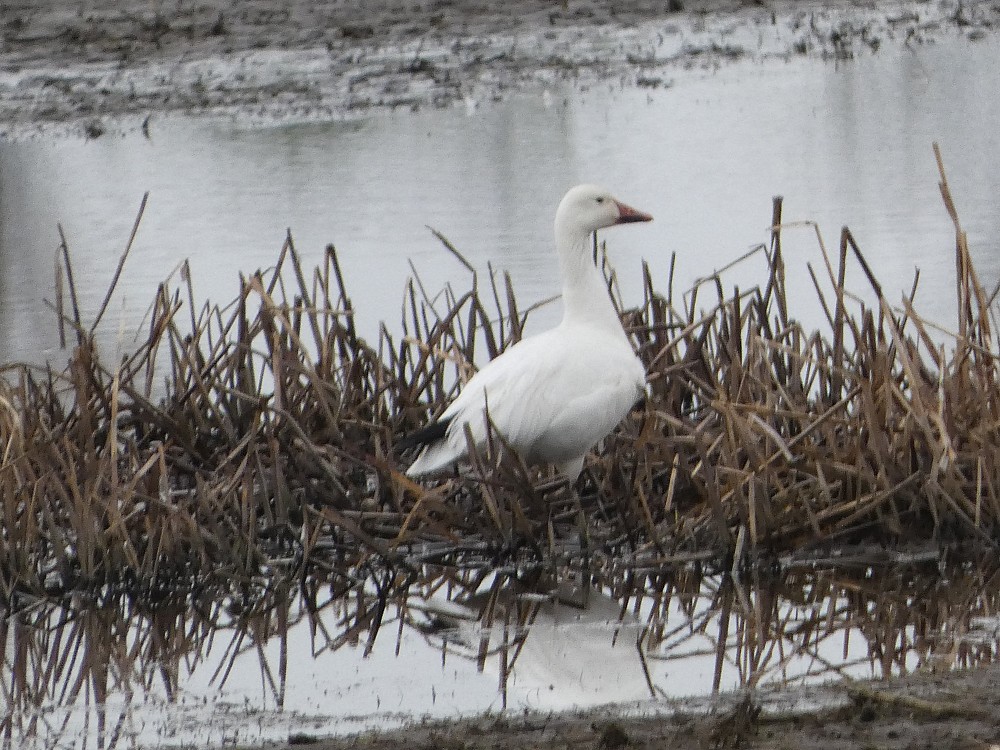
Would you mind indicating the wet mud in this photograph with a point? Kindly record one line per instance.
(103, 66)
(922, 712)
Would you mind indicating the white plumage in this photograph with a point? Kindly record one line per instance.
(554, 396)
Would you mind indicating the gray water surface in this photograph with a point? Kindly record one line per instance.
(216, 676)
(846, 143)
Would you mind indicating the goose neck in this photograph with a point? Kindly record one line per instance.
(585, 292)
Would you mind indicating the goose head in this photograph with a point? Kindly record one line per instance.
(587, 208)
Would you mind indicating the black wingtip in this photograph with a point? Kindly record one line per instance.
(424, 436)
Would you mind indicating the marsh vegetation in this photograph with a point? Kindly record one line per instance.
(238, 473)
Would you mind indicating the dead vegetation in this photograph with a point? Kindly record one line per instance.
(259, 436)
(238, 470)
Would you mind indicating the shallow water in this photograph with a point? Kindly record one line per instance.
(212, 676)
(846, 143)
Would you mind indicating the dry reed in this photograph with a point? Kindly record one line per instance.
(268, 455)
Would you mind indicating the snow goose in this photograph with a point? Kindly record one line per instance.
(555, 395)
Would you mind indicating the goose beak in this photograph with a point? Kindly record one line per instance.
(627, 214)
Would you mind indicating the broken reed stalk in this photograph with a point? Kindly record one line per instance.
(269, 453)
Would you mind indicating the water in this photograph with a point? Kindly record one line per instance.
(845, 144)
(458, 644)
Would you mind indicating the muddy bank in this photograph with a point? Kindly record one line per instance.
(105, 65)
(956, 710)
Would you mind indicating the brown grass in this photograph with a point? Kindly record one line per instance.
(269, 450)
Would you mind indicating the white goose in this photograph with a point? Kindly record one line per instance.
(555, 395)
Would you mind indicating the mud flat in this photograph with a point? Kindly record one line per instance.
(955, 710)
(103, 65)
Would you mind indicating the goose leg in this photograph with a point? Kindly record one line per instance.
(573, 586)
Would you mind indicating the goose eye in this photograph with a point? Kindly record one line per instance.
(599, 200)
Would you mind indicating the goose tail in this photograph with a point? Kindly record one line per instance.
(438, 452)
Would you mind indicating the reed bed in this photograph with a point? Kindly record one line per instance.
(249, 446)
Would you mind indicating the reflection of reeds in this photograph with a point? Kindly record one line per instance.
(804, 625)
(263, 467)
